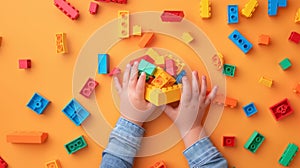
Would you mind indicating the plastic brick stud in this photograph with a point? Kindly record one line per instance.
(249, 8)
(240, 41)
(285, 64)
(272, 7)
(75, 145)
(75, 112)
(93, 8)
(89, 87)
(67, 9)
(232, 14)
(24, 63)
(228, 141)
(288, 154)
(250, 109)
(27, 137)
(229, 70)
(53, 164)
(281, 109)
(123, 23)
(159, 164)
(295, 37)
(282, 3)
(137, 30)
(145, 40)
(297, 89)
(3, 164)
(61, 43)
(264, 40)
(172, 16)
(205, 9)
(38, 103)
(103, 63)
(254, 142)
(266, 81)
(297, 16)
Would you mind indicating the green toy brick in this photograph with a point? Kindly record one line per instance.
(288, 154)
(229, 70)
(285, 63)
(147, 67)
(254, 142)
(75, 145)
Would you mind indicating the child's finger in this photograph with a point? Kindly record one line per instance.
(140, 86)
(203, 89)
(186, 91)
(171, 112)
(211, 95)
(133, 75)
(126, 76)
(195, 85)
(117, 84)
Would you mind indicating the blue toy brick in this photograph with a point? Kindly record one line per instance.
(250, 109)
(229, 70)
(75, 112)
(181, 74)
(239, 40)
(272, 7)
(232, 13)
(285, 64)
(38, 103)
(147, 67)
(75, 145)
(282, 3)
(103, 63)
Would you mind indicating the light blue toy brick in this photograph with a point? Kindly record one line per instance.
(285, 64)
(103, 63)
(75, 112)
(75, 145)
(240, 41)
(232, 13)
(282, 3)
(38, 103)
(181, 74)
(250, 109)
(272, 7)
(147, 67)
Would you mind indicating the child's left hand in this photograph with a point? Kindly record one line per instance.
(133, 105)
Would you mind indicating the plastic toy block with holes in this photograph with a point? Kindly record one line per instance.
(38, 103)
(266, 81)
(254, 142)
(24, 63)
(61, 43)
(115, 71)
(75, 145)
(27, 137)
(187, 37)
(295, 37)
(164, 95)
(88, 88)
(137, 30)
(249, 8)
(282, 3)
(116, 1)
(297, 16)
(93, 8)
(147, 67)
(240, 41)
(3, 164)
(205, 9)
(226, 101)
(179, 64)
(159, 164)
(232, 14)
(297, 89)
(272, 7)
(281, 109)
(159, 60)
(170, 67)
(146, 39)
(250, 109)
(228, 141)
(285, 64)
(53, 164)
(67, 9)
(75, 112)
(172, 16)
(103, 63)
(264, 40)
(145, 57)
(162, 79)
(123, 23)
(288, 154)
(180, 75)
(229, 70)
(218, 60)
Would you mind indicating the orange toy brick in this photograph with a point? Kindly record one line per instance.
(159, 164)
(226, 101)
(61, 43)
(146, 38)
(264, 40)
(53, 164)
(297, 89)
(27, 137)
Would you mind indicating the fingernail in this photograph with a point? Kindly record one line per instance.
(128, 65)
(135, 62)
(203, 77)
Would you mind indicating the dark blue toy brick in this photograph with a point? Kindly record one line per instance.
(38, 103)
(75, 112)
(233, 16)
(250, 109)
(239, 40)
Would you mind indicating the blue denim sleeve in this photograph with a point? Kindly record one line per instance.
(124, 142)
(203, 154)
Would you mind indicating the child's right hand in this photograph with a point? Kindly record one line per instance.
(193, 103)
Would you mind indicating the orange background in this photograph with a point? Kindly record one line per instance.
(28, 29)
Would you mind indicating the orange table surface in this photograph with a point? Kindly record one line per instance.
(28, 29)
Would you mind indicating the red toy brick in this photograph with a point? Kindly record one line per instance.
(88, 88)
(295, 37)
(3, 164)
(159, 164)
(145, 57)
(93, 8)
(116, 1)
(115, 71)
(67, 9)
(172, 16)
(281, 109)
(24, 63)
(228, 141)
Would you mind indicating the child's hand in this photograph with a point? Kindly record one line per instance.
(193, 103)
(133, 105)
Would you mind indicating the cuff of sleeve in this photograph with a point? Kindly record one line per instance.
(127, 128)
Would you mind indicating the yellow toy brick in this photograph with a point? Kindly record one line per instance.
(163, 96)
(205, 9)
(187, 37)
(61, 43)
(162, 78)
(249, 8)
(171, 82)
(159, 60)
(265, 81)
(173, 93)
(53, 164)
(123, 23)
(179, 64)
(137, 30)
(297, 17)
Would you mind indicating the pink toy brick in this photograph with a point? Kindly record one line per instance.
(67, 9)
(24, 63)
(145, 57)
(115, 71)
(281, 109)
(116, 1)
(295, 37)
(170, 67)
(93, 8)
(228, 141)
(3, 164)
(88, 88)
(172, 16)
